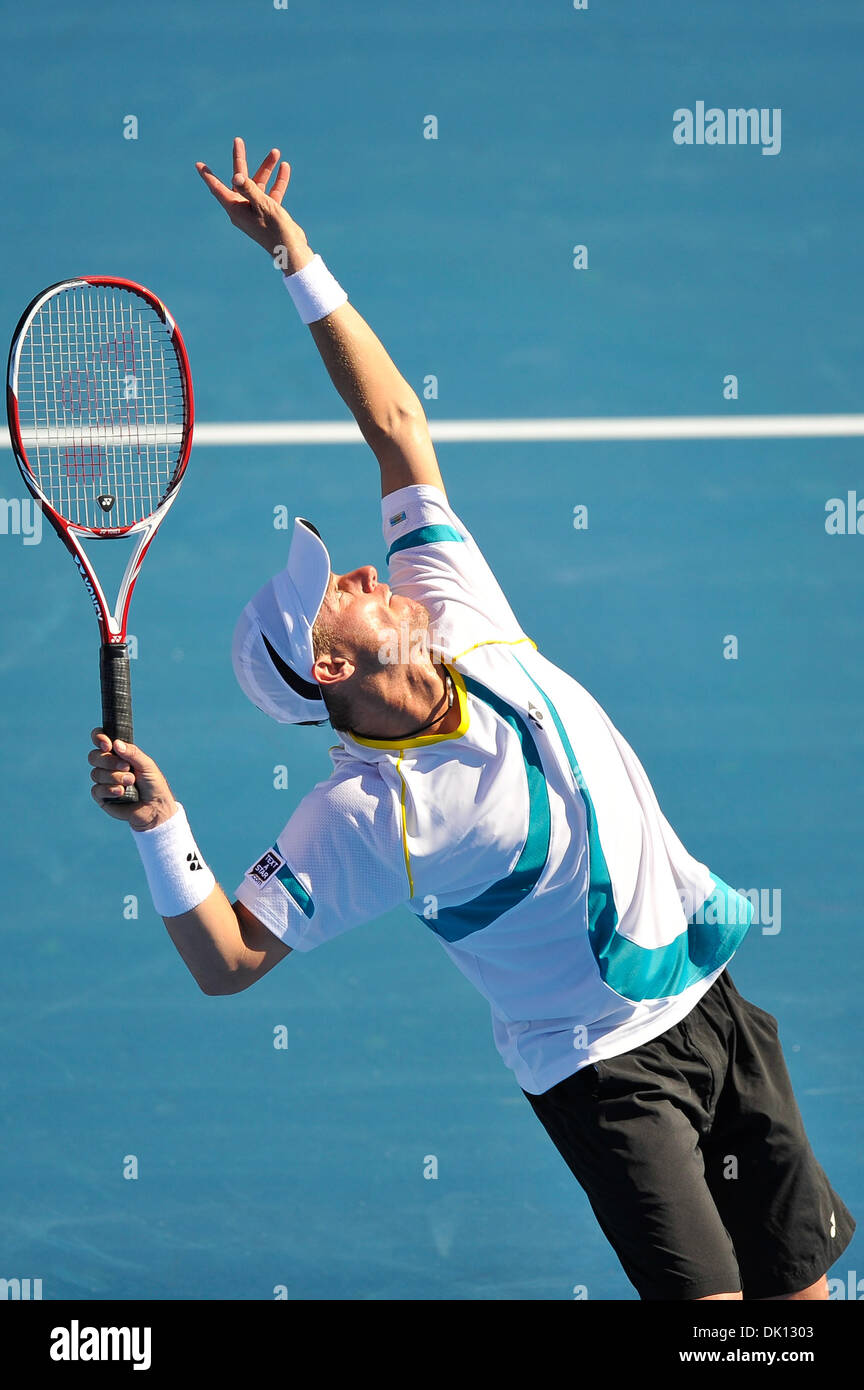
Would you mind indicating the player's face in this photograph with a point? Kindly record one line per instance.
(366, 613)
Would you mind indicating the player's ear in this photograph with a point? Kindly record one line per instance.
(332, 670)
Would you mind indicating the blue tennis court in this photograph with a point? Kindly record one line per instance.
(163, 1145)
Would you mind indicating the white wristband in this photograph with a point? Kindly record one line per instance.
(314, 290)
(176, 873)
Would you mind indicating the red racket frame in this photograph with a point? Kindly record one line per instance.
(114, 659)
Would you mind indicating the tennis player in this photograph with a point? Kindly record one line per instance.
(480, 785)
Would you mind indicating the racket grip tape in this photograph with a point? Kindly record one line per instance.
(117, 698)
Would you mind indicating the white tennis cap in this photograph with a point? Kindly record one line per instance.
(272, 650)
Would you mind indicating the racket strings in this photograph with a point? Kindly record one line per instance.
(102, 406)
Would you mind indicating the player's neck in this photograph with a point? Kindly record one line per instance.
(419, 700)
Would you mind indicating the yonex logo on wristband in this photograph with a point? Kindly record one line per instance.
(170, 855)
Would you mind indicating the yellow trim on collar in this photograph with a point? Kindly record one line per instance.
(495, 642)
(425, 740)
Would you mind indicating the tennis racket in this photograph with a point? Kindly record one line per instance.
(100, 410)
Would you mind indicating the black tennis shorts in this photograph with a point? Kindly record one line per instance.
(693, 1155)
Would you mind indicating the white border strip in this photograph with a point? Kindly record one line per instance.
(532, 431)
(647, 427)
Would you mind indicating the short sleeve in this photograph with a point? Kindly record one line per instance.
(339, 862)
(434, 559)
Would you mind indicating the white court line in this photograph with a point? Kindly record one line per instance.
(117, 435)
(646, 427)
(505, 431)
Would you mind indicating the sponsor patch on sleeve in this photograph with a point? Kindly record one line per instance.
(266, 866)
(272, 864)
(397, 517)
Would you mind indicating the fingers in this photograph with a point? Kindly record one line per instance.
(117, 765)
(103, 754)
(138, 761)
(219, 190)
(111, 800)
(109, 761)
(103, 777)
(110, 783)
(110, 775)
(117, 756)
(240, 158)
(277, 192)
(241, 183)
(265, 170)
(253, 196)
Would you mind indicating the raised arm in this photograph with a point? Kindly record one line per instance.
(387, 410)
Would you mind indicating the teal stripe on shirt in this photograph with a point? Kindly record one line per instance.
(662, 972)
(642, 972)
(295, 889)
(455, 923)
(424, 535)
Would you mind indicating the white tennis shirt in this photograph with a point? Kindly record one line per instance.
(529, 841)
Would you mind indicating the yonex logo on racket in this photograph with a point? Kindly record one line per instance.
(88, 585)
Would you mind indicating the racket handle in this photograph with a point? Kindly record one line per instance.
(117, 699)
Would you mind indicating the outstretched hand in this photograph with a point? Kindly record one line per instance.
(258, 213)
